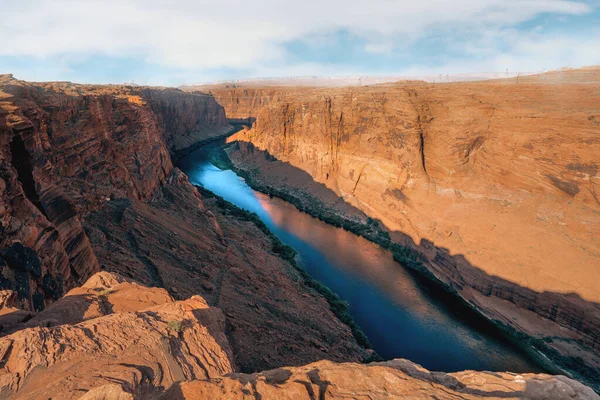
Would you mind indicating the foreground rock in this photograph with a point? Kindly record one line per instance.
(494, 185)
(183, 242)
(136, 336)
(115, 339)
(397, 379)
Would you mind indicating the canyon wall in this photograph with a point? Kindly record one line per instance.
(88, 184)
(66, 150)
(494, 184)
(196, 290)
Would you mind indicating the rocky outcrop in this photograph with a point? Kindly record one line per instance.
(114, 331)
(396, 379)
(493, 184)
(103, 294)
(10, 315)
(65, 150)
(113, 338)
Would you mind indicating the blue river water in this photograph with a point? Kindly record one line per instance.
(403, 316)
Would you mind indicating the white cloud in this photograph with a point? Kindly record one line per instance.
(197, 35)
(379, 48)
(529, 54)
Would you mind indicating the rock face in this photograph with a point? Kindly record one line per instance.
(112, 330)
(88, 183)
(66, 149)
(495, 184)
(396, 379)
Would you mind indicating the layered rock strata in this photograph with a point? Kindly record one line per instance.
(114, 331)
(396, 379)
(67, 149)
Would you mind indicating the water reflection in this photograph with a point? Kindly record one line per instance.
(400, 316)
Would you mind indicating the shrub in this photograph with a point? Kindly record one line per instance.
(104, 292)
(177, 326)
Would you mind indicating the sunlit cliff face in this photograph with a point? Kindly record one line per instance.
(495, 184)
(504, 174)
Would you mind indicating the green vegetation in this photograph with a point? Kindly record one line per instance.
(177, 326)
(575, 366)
(104, 292)
(219, 159)
(336, 304)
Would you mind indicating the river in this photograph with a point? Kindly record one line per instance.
(402, 315)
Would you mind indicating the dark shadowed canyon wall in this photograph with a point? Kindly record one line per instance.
(68, 149)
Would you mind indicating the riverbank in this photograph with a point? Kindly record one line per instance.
(336, 304)
(177, 155)
(537, 348)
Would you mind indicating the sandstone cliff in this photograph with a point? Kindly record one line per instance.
(396, 379)
(67, 149)
(495, 184)
(114, 331)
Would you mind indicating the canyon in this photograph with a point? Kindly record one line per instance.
(88, 184)
(489, 188)
(120, 279)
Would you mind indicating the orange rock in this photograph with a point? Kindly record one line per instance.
(178, 350)
(397, 379)
(66, 149)
(144, 350)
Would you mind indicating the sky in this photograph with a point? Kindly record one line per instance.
(175, 42)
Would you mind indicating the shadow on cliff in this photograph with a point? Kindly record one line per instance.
(449, 381)
(429, 263)
(67, 310)
(13, 320)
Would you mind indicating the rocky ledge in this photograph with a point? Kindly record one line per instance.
(113, 338)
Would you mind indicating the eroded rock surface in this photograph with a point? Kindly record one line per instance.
(87, 183)
(65, 150)
(114, 331)
(396, 379)
(113, 339)
(184, 243)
